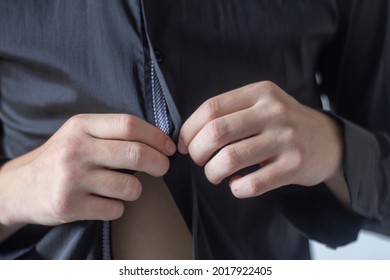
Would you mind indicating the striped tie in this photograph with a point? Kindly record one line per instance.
(159, 105)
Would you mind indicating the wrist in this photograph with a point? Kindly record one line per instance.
(9, 223)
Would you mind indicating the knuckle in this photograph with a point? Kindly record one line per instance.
(217, 129)
(61, 207)
(127, 123)
(275, 109)
(212, 176)
(135, 153)
(69, 151)
(267, 92)
(254, 186)
(295, 149)
(289, 137)
(197, 157)
(163, 164)
(281, 111)
(296, 160)
(75, 122)
(210, 109)
(69, 176)
(232, 157)
(265, 182)
(267, 85)
(265, 88)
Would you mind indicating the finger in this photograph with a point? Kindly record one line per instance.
(241, 154)
(112, 184)
(222, 131)
(125, 127)
(99, 208)
(224, 104)
(267, 178)
(135, 156)
(88, 207)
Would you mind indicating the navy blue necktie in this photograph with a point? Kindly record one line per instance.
(159, 105)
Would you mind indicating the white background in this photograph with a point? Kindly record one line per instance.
(369, 246)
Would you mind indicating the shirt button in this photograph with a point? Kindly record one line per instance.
(159, 56)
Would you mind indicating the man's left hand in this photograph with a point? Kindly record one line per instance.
(260, 124)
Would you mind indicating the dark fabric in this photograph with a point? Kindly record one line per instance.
(356, 77)
(60, 58)
(79, 240)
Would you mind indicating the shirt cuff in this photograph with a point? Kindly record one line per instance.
(317, 213)
(366, 173)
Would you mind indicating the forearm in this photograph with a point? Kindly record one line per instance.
(8, 222)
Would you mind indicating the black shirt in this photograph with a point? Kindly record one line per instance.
(60, 58)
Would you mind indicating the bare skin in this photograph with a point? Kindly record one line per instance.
(261, 124)
(152, 227)
(71, 176)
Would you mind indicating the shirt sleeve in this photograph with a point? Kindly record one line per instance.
(355, 70)
(354, 67)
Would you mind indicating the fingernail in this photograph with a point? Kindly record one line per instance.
(181, 147)
(170, 147)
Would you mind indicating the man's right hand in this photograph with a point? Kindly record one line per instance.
(72, 176)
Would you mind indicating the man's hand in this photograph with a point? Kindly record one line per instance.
(260, 124)
(73, 175)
